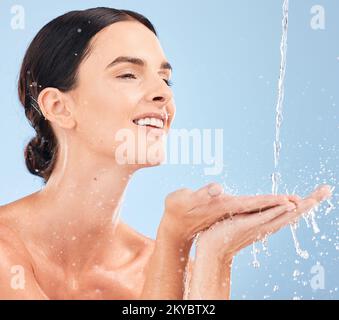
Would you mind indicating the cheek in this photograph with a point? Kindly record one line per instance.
(101, 115)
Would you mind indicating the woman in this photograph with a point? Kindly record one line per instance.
(88, 79)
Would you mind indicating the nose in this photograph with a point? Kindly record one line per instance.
(159, 93)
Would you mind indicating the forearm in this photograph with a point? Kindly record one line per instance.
(211, 276)
(166, 269)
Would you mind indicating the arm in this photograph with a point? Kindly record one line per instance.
(165, 273)
(211, 276)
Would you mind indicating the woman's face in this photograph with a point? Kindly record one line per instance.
(109, 96)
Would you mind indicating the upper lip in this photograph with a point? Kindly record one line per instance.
(160, 116)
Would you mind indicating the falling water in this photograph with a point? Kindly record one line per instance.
(277, 144)
(278, 120)
(276, 176)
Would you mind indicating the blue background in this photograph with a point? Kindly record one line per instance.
(226, 62)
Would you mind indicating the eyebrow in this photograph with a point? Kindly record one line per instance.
(137, 61)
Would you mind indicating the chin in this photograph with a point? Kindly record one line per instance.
(141, 150)
(151, 162)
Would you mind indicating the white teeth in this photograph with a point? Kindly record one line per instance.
(147, 121)
(150, 121)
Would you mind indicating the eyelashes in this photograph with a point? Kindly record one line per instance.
(132, 76)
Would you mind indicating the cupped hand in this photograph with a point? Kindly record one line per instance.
(229, 236)
(189, 212)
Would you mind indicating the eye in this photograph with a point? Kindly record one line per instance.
(168, 82)
(132, 76)
(128, 75)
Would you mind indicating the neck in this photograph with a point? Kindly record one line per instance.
(80, 207)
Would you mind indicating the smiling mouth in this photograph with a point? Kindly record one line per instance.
(150, 122)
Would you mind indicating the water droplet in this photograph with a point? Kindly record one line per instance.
(79, 30)
(255, 262)
(330, 207)
(296, 273)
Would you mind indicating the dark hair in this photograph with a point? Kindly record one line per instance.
(52, 60)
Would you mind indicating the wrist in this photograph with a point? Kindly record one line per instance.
(169, 233)
(206, 251)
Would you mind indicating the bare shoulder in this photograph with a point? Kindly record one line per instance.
(11, 247)
(14, 211)
(17, 280)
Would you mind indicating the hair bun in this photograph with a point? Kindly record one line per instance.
(38, 156)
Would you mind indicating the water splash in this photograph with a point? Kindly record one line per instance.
(264, 243)
(301, 253)
(255, 262)
(330, 204)
(313, 222)
(330, 207)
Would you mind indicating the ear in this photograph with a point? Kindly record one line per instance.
(56, 107)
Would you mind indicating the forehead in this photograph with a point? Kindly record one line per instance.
(126, 38)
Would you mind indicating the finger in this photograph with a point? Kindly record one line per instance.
(321, 193)
(261, 209)
(206, 193)
(252, 204)
(224, 207)
(294, 198)
(266, 216)
(304, 206)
